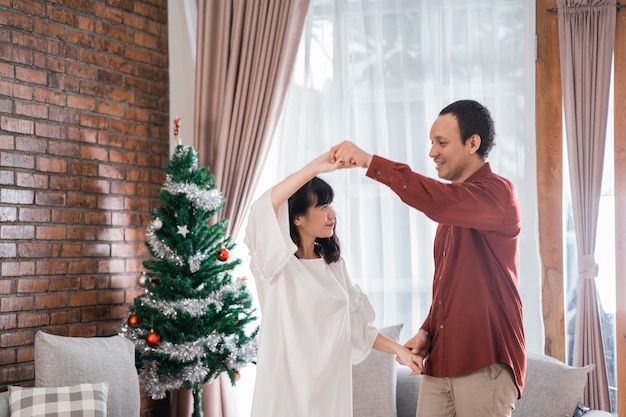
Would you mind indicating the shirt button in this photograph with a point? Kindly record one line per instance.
(441, 326)
(440, 302)
(379, 172)
(439, 277)
(404, 186)
(444, 253)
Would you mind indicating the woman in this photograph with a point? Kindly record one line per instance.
(315, 323)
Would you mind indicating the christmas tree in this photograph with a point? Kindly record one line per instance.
(191, 323)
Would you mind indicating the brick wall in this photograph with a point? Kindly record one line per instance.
(84, 129)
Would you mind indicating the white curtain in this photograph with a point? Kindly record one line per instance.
(377, 72)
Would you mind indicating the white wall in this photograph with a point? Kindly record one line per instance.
(182, 26)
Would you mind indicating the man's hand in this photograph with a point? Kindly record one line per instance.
(349, 155)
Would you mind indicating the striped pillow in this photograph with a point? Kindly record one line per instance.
(83, 400)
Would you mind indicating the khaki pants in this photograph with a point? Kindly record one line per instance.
(488, 392)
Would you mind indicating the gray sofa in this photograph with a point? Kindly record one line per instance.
(381, 388)
(102, 367)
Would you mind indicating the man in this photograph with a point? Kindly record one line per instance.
(472, 340)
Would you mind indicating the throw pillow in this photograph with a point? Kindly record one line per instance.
(374, 381)
(551, 388)
(83, 400)
(64, 361)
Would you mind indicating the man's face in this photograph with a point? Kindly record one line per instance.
(453, 159)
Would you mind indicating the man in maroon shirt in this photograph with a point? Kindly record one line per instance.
(472, 340)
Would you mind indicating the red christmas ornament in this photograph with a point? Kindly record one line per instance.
(153, 339)
(133, 320)
(237, 377)
(223, 255)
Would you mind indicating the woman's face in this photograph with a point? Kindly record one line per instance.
(318, 222)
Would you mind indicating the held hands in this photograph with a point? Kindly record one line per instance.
(348, 155)
(407, 358)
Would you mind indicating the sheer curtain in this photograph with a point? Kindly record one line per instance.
(377, 72)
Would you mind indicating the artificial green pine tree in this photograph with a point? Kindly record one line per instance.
(192, 323)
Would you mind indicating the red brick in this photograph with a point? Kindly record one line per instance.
(64, 183)
(38, 111)
(30, 144)
(50, 199)
(67, 250)
(81, 102)
(111, 297)
(7, 357)
(82, 200)
(83, 299)
(64, 149)
(65, 284)
(32, 285)
(51, 131)
(99, 250)
(28, 214)
(17, 269)
(31, 76)
(34, 250)
(82, 135)
(7, 250)
(51, 233)
(8, 322)
(51, 267)
(111, 202)
(25, 354)
(67, 216)
(98, 218)
(64, 317)
(81, 233)
(94, 282)
(9, 232)
(31, 180)
(27, 320)
(110, 234)
(20, 338)
(12, 124)
(51, 301)
(111, 266)
(12, 196)
(51, 164)
(94, 152)
(16, 303)
(17, 160)
(87, 266)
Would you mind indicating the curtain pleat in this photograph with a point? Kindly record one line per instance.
(586, 37)
(245, 54)
(246, 51)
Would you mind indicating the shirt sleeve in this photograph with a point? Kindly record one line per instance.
(361, 317)
(478, 203)
(267, 237)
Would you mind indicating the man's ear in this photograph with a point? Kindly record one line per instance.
(474, 142)
(297, 220)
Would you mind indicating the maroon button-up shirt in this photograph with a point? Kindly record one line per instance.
(476, 316)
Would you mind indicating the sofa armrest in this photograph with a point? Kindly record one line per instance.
(4, 404)
(407, 390)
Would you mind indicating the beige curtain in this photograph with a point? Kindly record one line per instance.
(586, 37)
(245, 55)
(246, 51)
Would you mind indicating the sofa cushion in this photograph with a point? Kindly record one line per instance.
(65, 361)
(83, 400)
(374, 381)
(551, 388)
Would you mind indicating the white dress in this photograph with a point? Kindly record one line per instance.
(314, 324)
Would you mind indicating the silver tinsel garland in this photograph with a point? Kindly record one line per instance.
(158, 385)
(196, 307)
(159, 248)
(208, 200)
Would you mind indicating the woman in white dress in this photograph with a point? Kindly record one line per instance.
(315, 322)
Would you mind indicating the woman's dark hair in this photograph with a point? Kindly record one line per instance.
(473, 118)
(316, 192)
